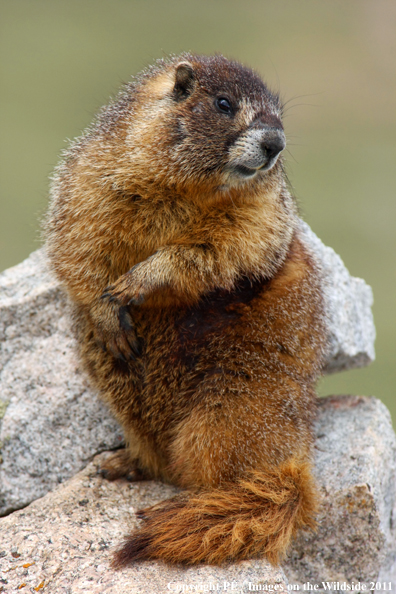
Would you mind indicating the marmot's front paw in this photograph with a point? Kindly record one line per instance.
(115, 330)
(131, 288)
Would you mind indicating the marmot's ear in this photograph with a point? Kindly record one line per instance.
(184, 80)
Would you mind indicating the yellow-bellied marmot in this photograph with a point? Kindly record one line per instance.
(198, 310)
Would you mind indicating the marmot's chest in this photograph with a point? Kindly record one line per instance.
(219, 310)
(183, 337)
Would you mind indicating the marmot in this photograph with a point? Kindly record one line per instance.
(199, 311)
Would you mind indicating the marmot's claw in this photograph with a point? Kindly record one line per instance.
(107, 293)
(125, 346)
(135, 348)
(103, 472)
(124, 293)
(116, 333)
(127, 325)
(109, 296)
(141, 514)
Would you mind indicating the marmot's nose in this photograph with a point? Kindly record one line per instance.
(273, 143)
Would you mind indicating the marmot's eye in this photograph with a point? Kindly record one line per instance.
(223, 105)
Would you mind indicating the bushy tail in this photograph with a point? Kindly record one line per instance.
(254, 517)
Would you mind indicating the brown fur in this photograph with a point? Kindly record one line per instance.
(198, 310)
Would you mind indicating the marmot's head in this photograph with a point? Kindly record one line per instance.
(205, 121)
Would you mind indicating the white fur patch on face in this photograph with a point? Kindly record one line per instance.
(246, 113)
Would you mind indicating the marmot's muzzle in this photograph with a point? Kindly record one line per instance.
(256, 150)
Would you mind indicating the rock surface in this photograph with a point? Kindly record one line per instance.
(51, 422)
(349, 301)
(64, 540)
(355, 466)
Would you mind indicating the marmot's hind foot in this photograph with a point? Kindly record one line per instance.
(119, 465)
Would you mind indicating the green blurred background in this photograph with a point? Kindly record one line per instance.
(334, 61)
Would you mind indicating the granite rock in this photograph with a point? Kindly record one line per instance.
(349, 300)
(355, 468)
(52, 423)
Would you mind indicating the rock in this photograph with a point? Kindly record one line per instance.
(355, 467)
(349, 301)
(64, 542)
(53, 423)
